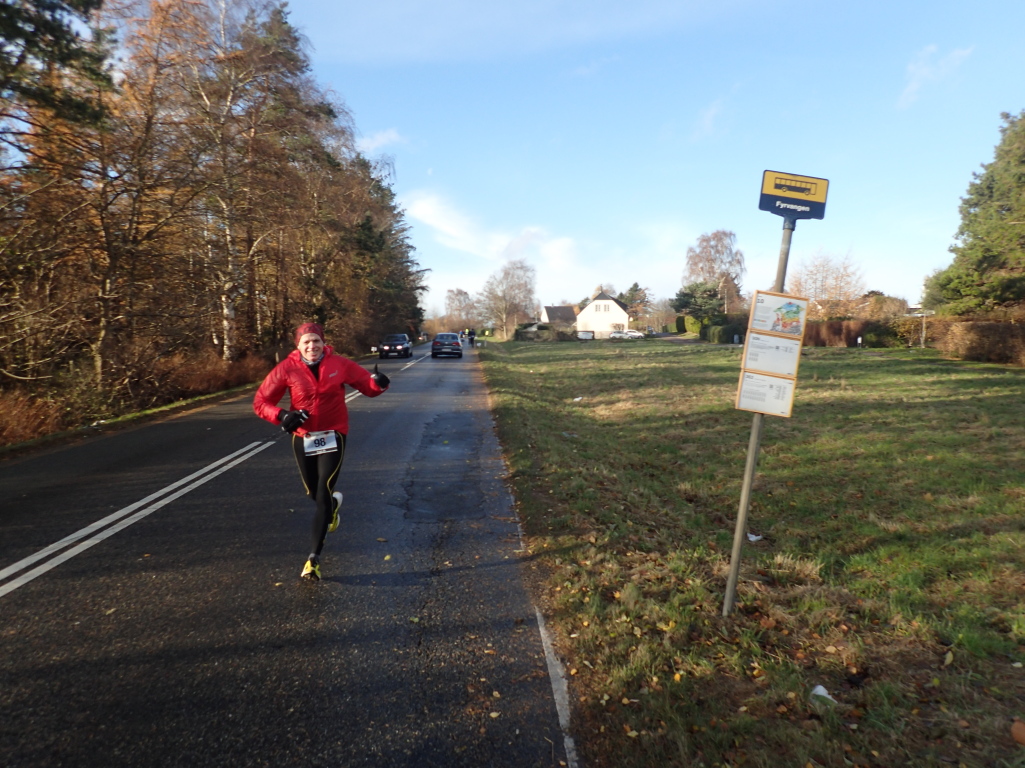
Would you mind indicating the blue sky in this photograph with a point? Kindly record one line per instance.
(598, 139)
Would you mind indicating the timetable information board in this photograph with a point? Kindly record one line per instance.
(772, 353)
(771, 395)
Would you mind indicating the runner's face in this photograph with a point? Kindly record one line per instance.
(311, 346)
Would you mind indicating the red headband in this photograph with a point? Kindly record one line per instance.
(305, 328)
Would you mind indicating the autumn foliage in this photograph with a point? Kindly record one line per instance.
(220, 202)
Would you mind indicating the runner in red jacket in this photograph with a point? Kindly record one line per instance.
(315, 378)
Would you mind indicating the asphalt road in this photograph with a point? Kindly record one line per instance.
(174, 630)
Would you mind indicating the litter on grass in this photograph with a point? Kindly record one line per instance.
(819, 695)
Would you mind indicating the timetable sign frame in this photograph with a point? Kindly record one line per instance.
(775, 355)
(772, 353)
(761, 393)
(779, 314)
(793, 196)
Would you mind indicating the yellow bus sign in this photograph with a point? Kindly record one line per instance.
(793, 196)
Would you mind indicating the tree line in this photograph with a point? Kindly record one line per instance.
(834, 285)
(987, 275)
(506, 300)
(197, 194)
(712, 291)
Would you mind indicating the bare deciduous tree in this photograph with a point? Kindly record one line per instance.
(460, 309)
(833, 285)
(715, 256)
(716, 259)
(662, 314)
(508, 297)
(876, 305)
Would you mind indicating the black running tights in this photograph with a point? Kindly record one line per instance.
(319, 474)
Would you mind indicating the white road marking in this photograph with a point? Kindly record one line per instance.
(412, 363)
(204, 475)
(557, 674)
(354, 394)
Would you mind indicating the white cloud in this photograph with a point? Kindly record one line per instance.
(662, 239)
(559, 254)
(707, 120)
(556, 258)
(594, 66)
(451, 228)
(368, 145)
(454, 229)
(928, 67)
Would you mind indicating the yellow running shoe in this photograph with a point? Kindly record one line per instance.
(337, 518)
(311, 570)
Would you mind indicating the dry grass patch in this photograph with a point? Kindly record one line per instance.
(889, 569)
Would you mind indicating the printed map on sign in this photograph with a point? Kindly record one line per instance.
(776, 313)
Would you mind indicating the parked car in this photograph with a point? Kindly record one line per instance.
(446, 344)
(632, 334)
(397, 344)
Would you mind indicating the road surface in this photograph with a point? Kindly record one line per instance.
(151, 612)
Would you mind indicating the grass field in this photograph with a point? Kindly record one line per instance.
(891, 569)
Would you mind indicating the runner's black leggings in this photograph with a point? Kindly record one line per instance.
(319, 474)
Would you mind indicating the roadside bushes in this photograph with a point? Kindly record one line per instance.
(545, 333)
(74, 401)
(183, 376)
(909, 330)
(25, 417)
(845, 333)
(985, 342)
(723, 334)
(688, 324)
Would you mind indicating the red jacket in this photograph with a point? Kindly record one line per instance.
(323, 397)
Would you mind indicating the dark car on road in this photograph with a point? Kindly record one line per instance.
(446, 344)
(397, 344)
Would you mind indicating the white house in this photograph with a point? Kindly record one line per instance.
(603, 315)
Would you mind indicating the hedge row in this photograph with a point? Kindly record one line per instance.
(977, 340)
(985, 342)
(725, 334)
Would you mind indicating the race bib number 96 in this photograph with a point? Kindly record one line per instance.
(315, 443)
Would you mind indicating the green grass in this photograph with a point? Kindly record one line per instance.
(892, 569)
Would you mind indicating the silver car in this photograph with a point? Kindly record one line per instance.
(446, 344)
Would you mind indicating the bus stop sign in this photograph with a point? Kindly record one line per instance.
(793, 196)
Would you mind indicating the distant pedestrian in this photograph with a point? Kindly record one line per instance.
(315, 378)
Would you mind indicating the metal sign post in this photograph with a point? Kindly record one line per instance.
(923, 315)
(792, 197)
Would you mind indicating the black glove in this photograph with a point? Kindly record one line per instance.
(382, 380)
(292, 420)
